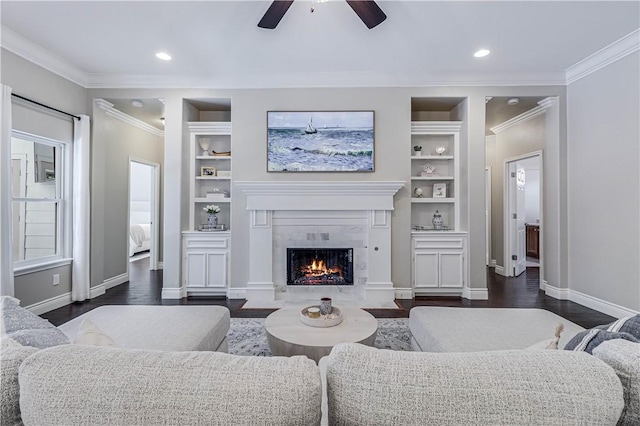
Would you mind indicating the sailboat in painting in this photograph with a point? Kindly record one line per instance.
(310, 129)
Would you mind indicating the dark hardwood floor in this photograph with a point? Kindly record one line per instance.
(145, 287)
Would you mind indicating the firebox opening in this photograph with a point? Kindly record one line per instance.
(312, 266)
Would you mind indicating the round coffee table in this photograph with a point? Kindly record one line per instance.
(288, 336)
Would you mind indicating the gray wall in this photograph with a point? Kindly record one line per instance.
(520, 139)
(114, 141)
(604, 184)
(36, 83)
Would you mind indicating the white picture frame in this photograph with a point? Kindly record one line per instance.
(439, 190)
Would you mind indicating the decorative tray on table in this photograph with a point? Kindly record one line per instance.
(329, 320)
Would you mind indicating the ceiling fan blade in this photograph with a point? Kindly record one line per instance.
(368, 11)
(274, 14)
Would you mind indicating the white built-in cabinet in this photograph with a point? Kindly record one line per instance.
(205, 267)
(206, 262)
(439, 262)
(439, 256)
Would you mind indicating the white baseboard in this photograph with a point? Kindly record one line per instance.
(114, 281)
(404, 293)
(50, 304)
(556, 292)
(543, 285)
(600, 305)
(174, 293)
(493, 263)
(160, 265)
(237, 293)
(475, 293)
(96, 291)
(500, 271)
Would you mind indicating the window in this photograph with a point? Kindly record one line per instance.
(40, 208)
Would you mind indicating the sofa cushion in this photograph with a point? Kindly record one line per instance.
(165, 328)
(368, 386)
(624, 357)
(444, 329)
(12, 357)
(90, 385)
(26, 328)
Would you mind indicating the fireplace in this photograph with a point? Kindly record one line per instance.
(319, 266)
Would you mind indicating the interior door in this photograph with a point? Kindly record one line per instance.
(521, 235)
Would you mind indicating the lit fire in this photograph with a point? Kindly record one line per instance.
(319, 268)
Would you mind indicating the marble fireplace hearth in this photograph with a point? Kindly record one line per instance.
(355, 215)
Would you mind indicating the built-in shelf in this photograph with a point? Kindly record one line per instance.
(433, 200)
(211, 200)
(212, 178)
(213, 157)
(432, 178)
(432, 157)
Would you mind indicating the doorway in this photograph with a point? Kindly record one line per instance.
(144, 198)
(523, 213)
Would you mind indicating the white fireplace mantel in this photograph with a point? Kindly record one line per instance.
(336, 202)
(308, 195)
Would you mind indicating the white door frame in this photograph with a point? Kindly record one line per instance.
(487, 231)
(507, 213)
(155, 210)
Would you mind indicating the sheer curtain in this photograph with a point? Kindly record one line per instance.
(6, 262)
(80, 273)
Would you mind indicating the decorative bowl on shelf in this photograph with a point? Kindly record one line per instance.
(329, 320)
(440, 149)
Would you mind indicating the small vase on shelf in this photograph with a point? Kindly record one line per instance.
(437, 220)
(212, 221)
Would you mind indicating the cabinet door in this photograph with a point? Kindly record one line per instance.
(195, 269)
(217, 269)
(451, 269)
(426, 269)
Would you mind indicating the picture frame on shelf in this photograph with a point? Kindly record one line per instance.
(223, 173)
(439, 190)
(320, 141)
(207, 171)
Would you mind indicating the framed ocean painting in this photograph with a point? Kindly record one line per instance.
(320, 141)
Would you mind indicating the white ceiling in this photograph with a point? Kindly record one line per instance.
(218, 44)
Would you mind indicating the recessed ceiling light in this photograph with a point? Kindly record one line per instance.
(513, 101)
(137, 103)
(164, 56)
(481, 53)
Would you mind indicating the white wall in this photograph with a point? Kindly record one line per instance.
(604, 185)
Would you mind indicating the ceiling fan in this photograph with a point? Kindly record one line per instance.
(367, 10)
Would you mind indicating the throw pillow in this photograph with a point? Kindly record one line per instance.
(625, 328)
(12, 358)
(90, 334)
(15, 317)
(548, 343)
(39, 337)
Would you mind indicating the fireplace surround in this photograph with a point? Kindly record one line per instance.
(309, 214)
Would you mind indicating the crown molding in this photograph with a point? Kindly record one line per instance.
(35, 53)
(322, 80)
(542, 107)
(605, 56)
(111, 111)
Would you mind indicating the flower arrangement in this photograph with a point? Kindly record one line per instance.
(212, 209)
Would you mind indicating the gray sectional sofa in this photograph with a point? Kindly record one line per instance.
(74, 384)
